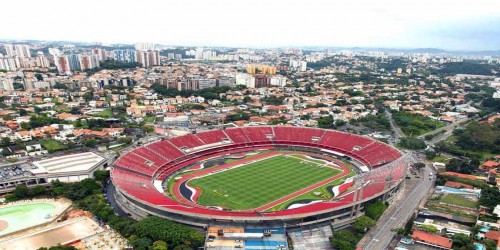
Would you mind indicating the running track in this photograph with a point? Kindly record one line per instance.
(178, 195)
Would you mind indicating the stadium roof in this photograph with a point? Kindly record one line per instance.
(70, 163)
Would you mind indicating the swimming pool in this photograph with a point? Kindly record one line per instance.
(479, 246)
(19, 217)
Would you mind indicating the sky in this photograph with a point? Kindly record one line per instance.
(444, 24)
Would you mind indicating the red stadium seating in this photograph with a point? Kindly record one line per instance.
(212, 136)
(134, 172)
(165, 149)
(296, 134)
(187, 141)
(256, 134)
(237, 135)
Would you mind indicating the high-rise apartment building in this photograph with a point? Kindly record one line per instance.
(8, 63)
(62, 64)
(101, 54)
(41, 60)
(9, 49)
(145, 46)
(128, 56)
(88, 61)
(74, 62)
(22, 50)
(261, 69)
(148, 58)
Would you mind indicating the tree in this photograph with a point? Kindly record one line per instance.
(419, 165)
(8, 117)
(59, 86)
(174, 234)
(21, 191)
(462, 241)
(37, 190)
(142, 243)
(126, 139)
(412, 143)
(344, 240)
(39, 76)
(23, 112)
(430, 154)
(460, 166)
(101, 175)
(74, 111)
(159, 245)
(375, 210)
(363, 223)
(476, 136)
(326, 122)
(490, 197)
(5, 141)
(88, 96)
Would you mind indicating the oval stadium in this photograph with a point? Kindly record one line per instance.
(269, 175)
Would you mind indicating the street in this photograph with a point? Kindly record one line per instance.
(398, 214)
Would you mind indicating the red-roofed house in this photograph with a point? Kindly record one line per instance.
(490, 164)
(492, 235)
(432, 239)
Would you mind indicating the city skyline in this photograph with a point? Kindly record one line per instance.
(388, 24)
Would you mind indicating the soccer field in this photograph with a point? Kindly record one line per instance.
(261, 182)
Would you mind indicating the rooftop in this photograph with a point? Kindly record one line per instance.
(70, 163)
(432, 239)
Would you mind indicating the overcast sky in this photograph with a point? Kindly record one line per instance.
(446, 24)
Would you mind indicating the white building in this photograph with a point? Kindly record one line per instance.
(9, 63)
(6, 85)
(302, 66)
(22, 50)
(245, 79)
(145, 46)
(278, 80)
(9, 48)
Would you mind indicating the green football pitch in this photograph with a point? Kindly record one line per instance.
(258, 183)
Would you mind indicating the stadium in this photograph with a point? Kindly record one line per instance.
(264, 175)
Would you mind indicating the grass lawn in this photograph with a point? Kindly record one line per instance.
(62, 108)
(52, 145)
(259, 183)
(149, 119)
(460, 200)
(440, 158)
(311, 196)
(105, 113)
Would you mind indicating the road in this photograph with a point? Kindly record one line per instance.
(398, 214)
(397, 131)
(447, 128)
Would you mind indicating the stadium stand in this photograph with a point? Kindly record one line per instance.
(212, 136)
(134, 172)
